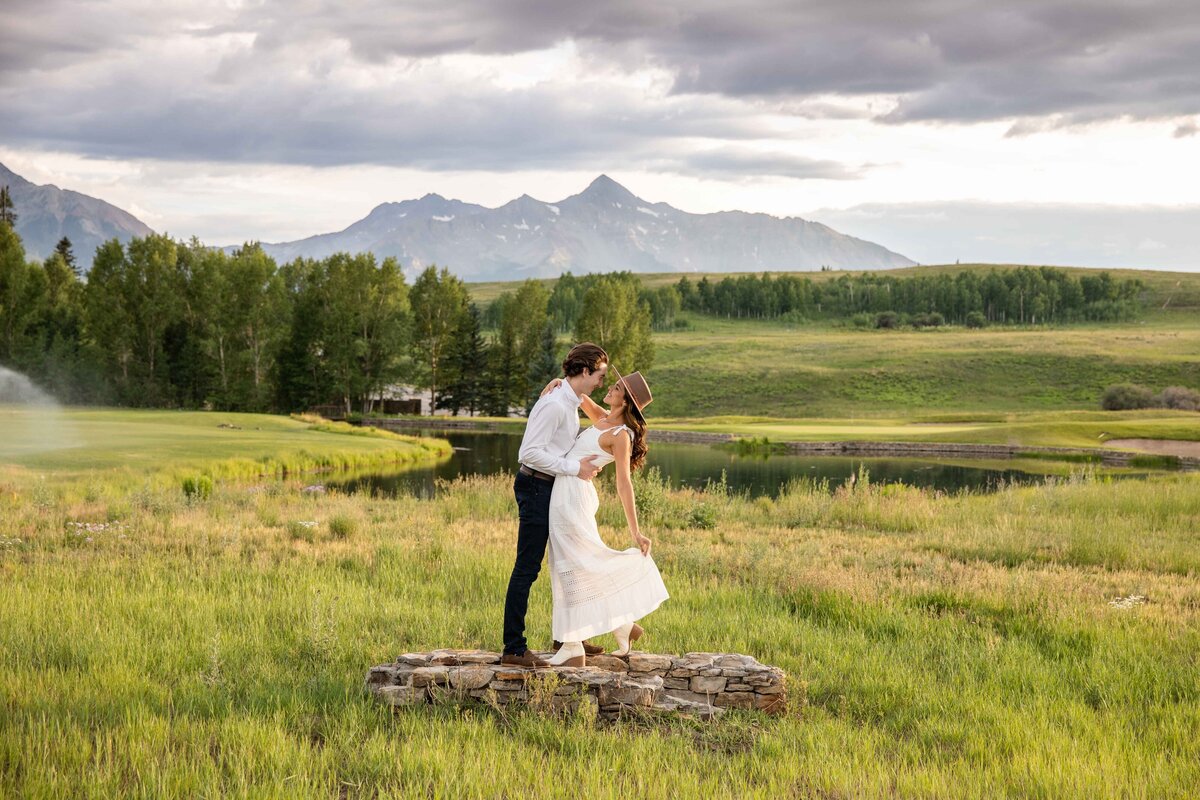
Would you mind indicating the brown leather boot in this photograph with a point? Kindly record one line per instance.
(588, 648)
(526, 659)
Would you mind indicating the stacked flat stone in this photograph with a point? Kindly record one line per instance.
(701, 685)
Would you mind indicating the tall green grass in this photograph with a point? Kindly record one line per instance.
(937, 645)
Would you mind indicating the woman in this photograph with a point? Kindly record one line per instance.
(597, 589)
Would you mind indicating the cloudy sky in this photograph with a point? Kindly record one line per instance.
(1051, 131)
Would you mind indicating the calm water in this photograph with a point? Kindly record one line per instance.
(688, 465)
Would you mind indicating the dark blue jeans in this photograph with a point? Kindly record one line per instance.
(533, 508)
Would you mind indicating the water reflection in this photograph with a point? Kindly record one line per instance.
(690, 465)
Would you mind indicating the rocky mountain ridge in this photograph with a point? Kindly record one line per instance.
(47, 213)
(603, 228)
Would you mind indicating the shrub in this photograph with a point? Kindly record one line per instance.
(887, 319)
(1180, 397)
(931, 320)
(342, 526)
(862, 320)
(303, 529)
(703, 516)
(196, 488)
(1126, 396)
(976, 319)
(650, 489)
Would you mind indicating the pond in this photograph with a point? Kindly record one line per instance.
(691, 465)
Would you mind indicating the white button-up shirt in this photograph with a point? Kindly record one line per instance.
(551, 431)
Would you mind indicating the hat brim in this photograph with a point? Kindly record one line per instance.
(629, 395)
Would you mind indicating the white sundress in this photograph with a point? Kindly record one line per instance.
(595, 588)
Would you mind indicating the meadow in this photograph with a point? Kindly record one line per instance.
(713, 366)
(164, 444)
(769, 368)
(1076, 429)
(1031, 642)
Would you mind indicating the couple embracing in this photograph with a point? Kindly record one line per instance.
(595, 589)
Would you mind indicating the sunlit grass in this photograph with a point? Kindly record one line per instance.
(1044, 429)
(937, 645)
(769, 368)
(147, 443)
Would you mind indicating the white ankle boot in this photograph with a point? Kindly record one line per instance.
(625, 635)
(569, 655)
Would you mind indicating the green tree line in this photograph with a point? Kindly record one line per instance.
(163, 323)
(1023, 296)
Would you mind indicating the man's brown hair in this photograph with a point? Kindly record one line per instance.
(584, 355)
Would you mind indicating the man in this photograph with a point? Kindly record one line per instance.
(549, 434)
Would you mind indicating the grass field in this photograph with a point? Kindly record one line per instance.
(820, 369)
(937, 646)
(769, 369)
(84, 441)
(1057, 429)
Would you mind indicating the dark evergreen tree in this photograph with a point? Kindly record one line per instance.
(503, 365)
(7, 212)
(545, 367)
(301, 377)
(467, 361)
(63, 248)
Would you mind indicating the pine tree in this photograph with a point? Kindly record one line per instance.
(467, 361)
(502, 365)
(63, 248)
(545, 367)
(7, 214)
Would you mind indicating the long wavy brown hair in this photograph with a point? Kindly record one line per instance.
(636, 424)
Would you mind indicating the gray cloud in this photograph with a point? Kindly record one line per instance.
(945, 59)
(259, 80)
(303, 115)
(289, 96)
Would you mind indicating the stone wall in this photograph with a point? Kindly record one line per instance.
(702, 685)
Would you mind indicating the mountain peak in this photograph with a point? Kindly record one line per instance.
(605, 188)
(12, 179)
(46, 213)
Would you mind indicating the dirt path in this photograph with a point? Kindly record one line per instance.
(1165, 447)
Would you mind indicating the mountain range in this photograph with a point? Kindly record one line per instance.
(46, 213)
(603, 228)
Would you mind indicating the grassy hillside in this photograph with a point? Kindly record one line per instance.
(771, 369)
